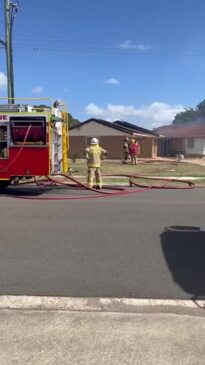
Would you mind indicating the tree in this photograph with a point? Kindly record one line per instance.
(196, 115)
(201, 107)
(41, 107)
(72, 121)
(184, 117)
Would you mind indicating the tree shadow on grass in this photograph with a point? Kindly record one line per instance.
(184, 251)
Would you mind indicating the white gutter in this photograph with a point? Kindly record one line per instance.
(144, 135)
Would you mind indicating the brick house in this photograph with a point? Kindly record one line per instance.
(111, 137)
(187, 139)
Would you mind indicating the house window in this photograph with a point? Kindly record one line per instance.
(87, 141)
(190, 142)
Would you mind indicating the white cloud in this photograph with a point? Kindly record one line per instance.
(153, 115)
(3, 80)
(135, 46)
(112, 81)
(92, 109)
(37, 90)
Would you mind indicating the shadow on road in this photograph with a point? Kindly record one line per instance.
(30, 190)
(184, 251)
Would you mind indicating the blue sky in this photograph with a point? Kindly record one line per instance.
(135, 60)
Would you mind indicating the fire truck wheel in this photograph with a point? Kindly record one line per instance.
(4, 184)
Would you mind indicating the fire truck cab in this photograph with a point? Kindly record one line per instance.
(33, 141)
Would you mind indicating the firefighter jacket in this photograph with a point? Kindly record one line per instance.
(94, 153)
(133, 149)
(126, 147)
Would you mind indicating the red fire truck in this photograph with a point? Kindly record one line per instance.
(33, 140)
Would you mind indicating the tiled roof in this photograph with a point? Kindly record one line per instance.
(135, 128)
(121, 126)
(182, 131)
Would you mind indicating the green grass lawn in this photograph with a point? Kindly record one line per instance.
(152, 169)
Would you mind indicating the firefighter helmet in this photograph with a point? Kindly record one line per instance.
(94, 141)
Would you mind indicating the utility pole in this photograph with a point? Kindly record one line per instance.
(10, 9)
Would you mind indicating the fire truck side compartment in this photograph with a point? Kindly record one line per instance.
(37, 132)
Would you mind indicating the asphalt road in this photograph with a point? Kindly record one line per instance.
(113, 247)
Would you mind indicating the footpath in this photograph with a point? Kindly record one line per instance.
(102, 337)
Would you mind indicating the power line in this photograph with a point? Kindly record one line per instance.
(59, 43)
(82, 39)
(105, 51)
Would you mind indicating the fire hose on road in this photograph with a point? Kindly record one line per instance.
(134, 187)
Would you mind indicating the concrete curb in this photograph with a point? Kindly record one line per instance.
(147, 176)
(94, 304)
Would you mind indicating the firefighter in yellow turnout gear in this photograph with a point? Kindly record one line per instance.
(93, 154)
